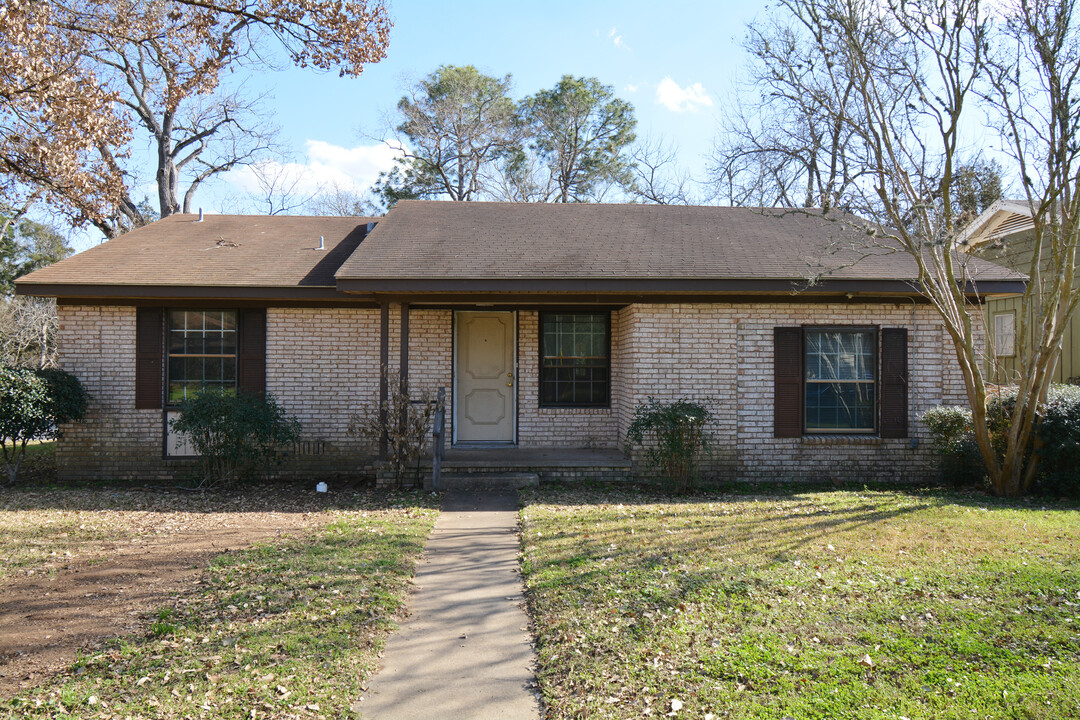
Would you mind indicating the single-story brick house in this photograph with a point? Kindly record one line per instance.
(546, 324)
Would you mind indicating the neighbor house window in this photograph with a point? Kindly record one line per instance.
(201, 348)
(839, 380)
(1005, 334)
(575, 359)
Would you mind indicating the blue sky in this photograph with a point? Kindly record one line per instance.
(675, 61)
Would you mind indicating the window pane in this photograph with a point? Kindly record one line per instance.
(574, 359)
(839, 406)
(839, 379)
(201, 352)
(194, 320)
(212, 342)
(176, 369)
(840, 355)
(1004, 338)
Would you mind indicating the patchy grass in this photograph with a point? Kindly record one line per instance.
(803, 605)
(287, 629)
(43, 529)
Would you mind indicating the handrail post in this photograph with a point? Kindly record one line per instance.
(438, 444)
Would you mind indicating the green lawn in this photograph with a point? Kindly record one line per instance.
(803, 605)
(288, 629)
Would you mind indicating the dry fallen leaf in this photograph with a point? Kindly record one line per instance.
(866, 661)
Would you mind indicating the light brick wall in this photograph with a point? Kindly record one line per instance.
(323, 366)
(761, 456)
(722, 356)
(97, 345)
(431, 361)
(677, 352)
(558, 427)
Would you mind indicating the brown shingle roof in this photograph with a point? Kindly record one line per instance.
(220, 251)
(444, 247)
(434, 240)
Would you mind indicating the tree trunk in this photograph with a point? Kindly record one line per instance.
(167, 175)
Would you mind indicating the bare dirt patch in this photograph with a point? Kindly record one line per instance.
(80, 566)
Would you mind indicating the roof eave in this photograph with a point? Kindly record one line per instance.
(658, 287)
(177, 292)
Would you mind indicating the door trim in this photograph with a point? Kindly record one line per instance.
(455, 385)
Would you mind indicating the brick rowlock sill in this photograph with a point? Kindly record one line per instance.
(841, 440)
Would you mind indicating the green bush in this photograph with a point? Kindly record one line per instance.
(236, 436)
(33, 404)
(1059, 442)
(1056, 446)
(954, 443)
(673, 437)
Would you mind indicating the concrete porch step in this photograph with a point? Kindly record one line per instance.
(487, 480)
(543, 464)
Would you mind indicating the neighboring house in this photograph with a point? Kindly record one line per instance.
(1005, 235)
(547, 324)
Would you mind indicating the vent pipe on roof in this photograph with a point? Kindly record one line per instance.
(200, 214)
(322, 246)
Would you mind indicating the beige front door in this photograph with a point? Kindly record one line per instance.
(486, 385)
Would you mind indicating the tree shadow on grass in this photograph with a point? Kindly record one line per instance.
(758, 529)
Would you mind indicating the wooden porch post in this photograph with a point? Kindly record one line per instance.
(403, 365)
(384, 367)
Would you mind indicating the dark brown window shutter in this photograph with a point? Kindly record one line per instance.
(894, 383)
(149, 346)
(787, 382)
(251, 363)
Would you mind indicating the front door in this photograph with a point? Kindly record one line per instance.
(485, 383)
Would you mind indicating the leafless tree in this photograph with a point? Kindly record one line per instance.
(283, 189)
(339, 202)
(917, 78)
(28, 329)
(657, 177)
(788, 139)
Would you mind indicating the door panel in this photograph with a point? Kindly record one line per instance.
(485, 377)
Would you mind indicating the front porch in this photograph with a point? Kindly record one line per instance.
(522, 466)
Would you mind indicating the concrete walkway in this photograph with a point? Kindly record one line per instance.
(464, 652)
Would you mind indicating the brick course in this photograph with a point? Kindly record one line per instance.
(323, 366)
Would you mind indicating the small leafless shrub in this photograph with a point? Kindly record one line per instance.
(405, 424)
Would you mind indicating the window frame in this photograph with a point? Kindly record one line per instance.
(875, 341)
(169, 403)
(542, 316)
(1011, 314)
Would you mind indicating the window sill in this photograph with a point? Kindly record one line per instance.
(573, 410)
(841, 439)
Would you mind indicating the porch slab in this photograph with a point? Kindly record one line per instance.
(518, 457)
(466, 466)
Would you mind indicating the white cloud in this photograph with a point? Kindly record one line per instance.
(679, 99)
(632, 88)
(616, 38)
(327, 166)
